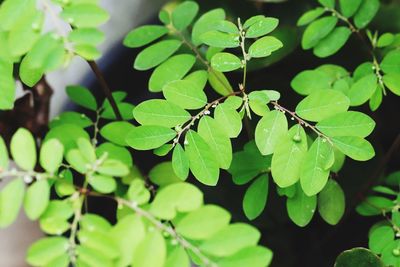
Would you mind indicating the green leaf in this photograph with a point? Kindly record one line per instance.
(183, 14)
(8, 85)
(87, 51)
(379, 238)
(362, 90)
(360, 257)
(225, 62)
(51, 155)
(309, 81)
(310, 16)
(144, 35)
(332, 42)
(366, 13)
(214, 135)
(113, 167)
(177, 258)
(322, 104)
(153, 244)
(82, 96)
(255, 198)
(71, 117)
(185, 94)
(376, 99)
(258, 101)
(94, 223)
(163, 174)
(156, 54)
(301, 207)
(289, 155)
(349, 7)
(327, 3)
(202, 161)
(177, 197)
(23, 149)
(269, 131)
(84, 15)
(160, 112)
(254, 256)
(385, 39)
(199, 78)
(374, 205)
(103, 184)
(262, 27)
(206, 23)
(11, 9)
(116, 132)
(99, 242)
(88, 36)
(391, 62)
(220, 39)
(229, 119)
(90, 257)
(180, 162)
(331, 202)
(315, 170)
(392, 81)
(390, 254)
(36, 199)
(227, 26)
(219, 82)
(138, 192)
(203, 223)
(349, 123)
(264, 46)
(46, 250)
(317, 30)
(149, 137)
(354, 147)
(11, 198)
(67, 134)
(4, 160)
(174, 68)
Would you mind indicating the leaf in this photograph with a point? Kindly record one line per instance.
(144, 35)
(391, 62)
(219, 82)
(138, 192)
(217, 139)
(12, 9)
(225, 62)
(254, 256)
(315, 170)
(149, 137)
(4, 161)
(51, 155)
(90, 257)
(230, 240)
(227, 26)
(379, 238)
(385, 39)
(327, 3)
(301, 207)
(202, 161)
(156, 54)
(185, 94)
(183, 14)
(8, 85)
(310, 16)
(349, 123)
(288, 157)
(264, 46)
(360, 257)
(177, 197)
(153, 244)
(84, 15)
(376, 99)
(354, 147)
(180, 162)
(87, 51)
(23, 149)
(331, 202)
(333, 42)
(362, 90)
(82, 96)
(366, 13)
(67, 134)
(71, 117)
(206, 23)
(374, 205)
(198, 78)
(252, 20)
(392, 82)
(11, 198)
(262, 27)
(174, 68)
(94, 223)
(177, 258)
(160, 112)
(116, 132)
(88, 36)
(112, 167)
(317, 30)
(163, 174)
(349, 7)
(322, 104)
(36, 199)
(103, 184)
(203, 223)
(309, 81)
(45, 250)
(229, 119)
(255, 198)
(220, 39)
(269, 130)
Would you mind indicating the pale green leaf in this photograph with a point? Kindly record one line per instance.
(392, 81)
(51, 155)
(185, 94)
(206, 23)
(7, 82)
(163, 174)
(229, 119)
(379, 238)
(138, 192)
(144, 35)
(255, 198)
(333, 42)
(254, 256)
(149, 137)
(90, 36)
(354, 147)
(116, 132)
(219, 82)
(183, 14)
(82, 96)
(87, 51)
(225, 62)
(153, 244)
(23, 149)
(301, 207)
(4, 160)
(220, 39)
(385, 39)
(310, 16)
(331, 202)
(84, 15)
(11, 9)
(317, 30)
(180, 162)
(262, 27)
(45, 250)
(177, 258)
(36, 199)
(264, 46)
(391, 62)
(11, 198)
(362, 90)
(102, 183)
(309, 81)
(156, 54)
(199, 78)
